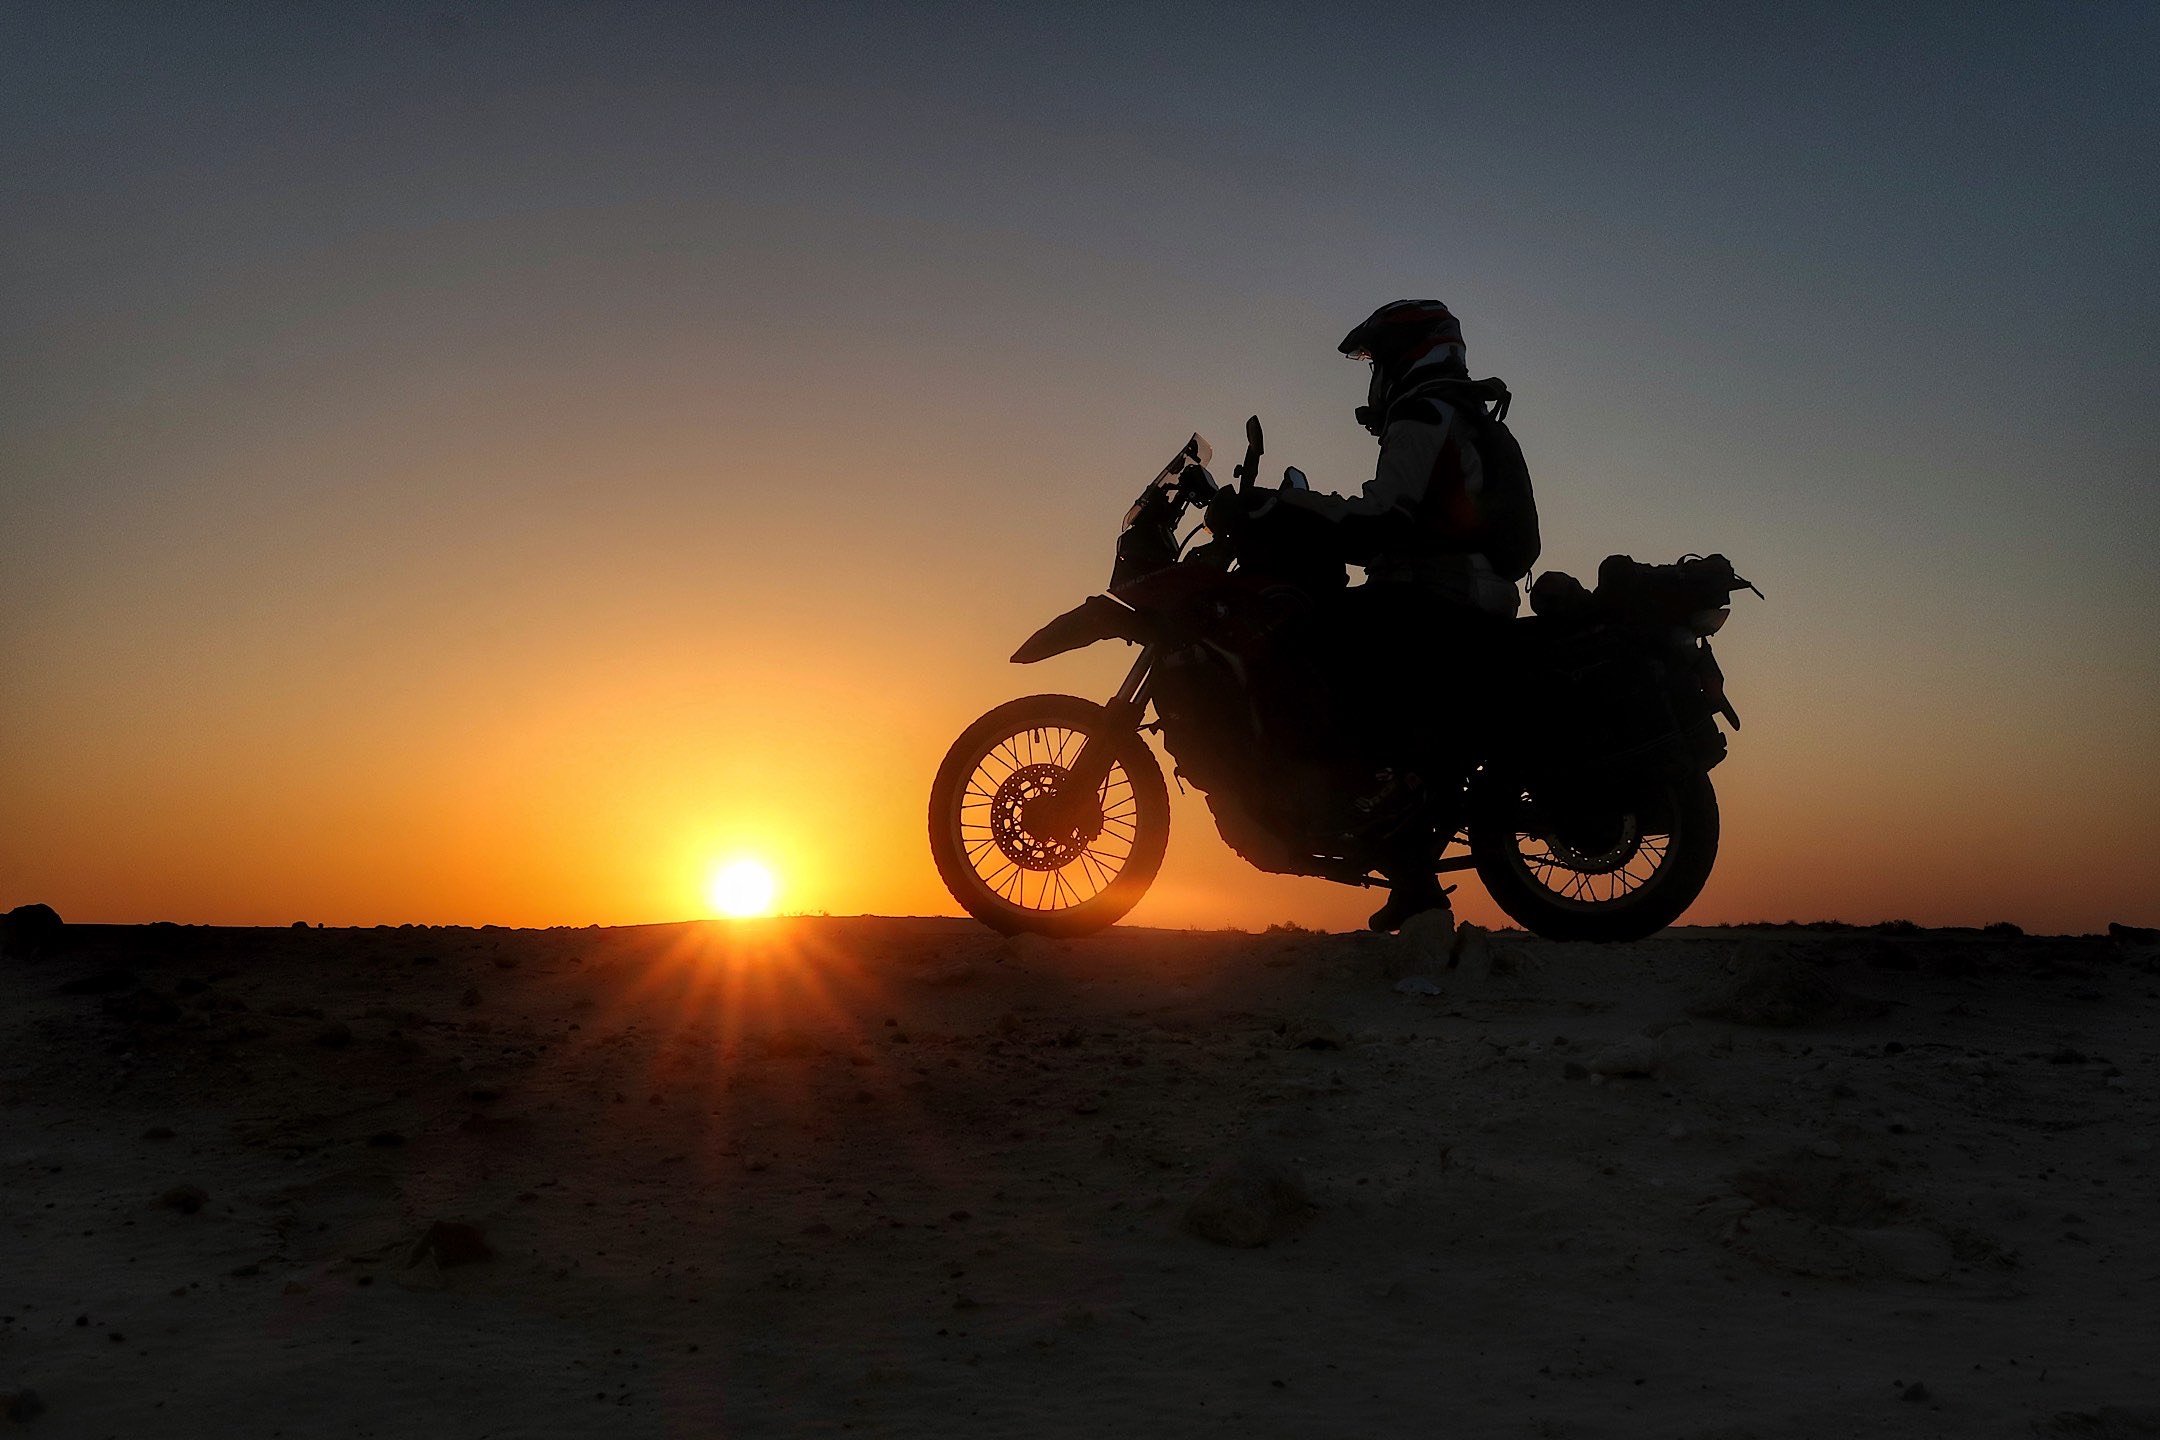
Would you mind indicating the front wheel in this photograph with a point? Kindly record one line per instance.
(1017, 852)
(1597, 873)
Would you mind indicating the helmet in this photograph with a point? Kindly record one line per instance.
(1399, 337)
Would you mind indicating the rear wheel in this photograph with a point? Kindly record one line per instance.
(1616, 872)
(1018, 849)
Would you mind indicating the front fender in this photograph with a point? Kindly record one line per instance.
(1096, 618)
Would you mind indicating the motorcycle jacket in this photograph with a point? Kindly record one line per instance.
(1419, 519)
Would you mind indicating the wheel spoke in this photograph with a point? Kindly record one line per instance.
(1577, 879)
(1043, 871)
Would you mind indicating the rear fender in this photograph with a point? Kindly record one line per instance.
(1559, 798)
(1096, 618)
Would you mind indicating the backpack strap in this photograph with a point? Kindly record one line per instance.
(1489, 395)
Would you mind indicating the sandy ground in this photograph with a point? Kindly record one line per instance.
(890, 1176)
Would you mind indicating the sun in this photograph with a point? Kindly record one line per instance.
(742, 889)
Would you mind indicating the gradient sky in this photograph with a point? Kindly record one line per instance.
(477, 463)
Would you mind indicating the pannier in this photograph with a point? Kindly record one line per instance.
(1633, 593)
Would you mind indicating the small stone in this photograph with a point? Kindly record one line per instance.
(186, 1199)
(1248, 1203)
(448, 1243)
(1472, 952)
(21, 1406)
(470, 998)
(334, 1036)
(158, 1132)
(1828, 1149)
(1916, 1393)
(1417, 985)
(1637, 1055)
(1312, 1033)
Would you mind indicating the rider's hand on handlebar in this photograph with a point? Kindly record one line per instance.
(1227, 513)
(1231, 510)
(1195, 483)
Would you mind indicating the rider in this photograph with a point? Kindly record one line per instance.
(1421, 529)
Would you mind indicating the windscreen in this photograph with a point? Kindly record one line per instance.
(1196, 451)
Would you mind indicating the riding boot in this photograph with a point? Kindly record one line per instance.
(1413, 886)
(1410, 894)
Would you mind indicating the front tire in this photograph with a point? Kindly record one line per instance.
(1014, 878)
(1641, 876)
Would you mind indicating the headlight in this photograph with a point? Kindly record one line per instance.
(1709, 622)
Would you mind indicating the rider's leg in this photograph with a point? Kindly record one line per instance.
(1417, 707)
(1413, 888)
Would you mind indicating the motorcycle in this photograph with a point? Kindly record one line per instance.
(1586, 810)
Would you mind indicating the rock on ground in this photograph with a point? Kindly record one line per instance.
(29, 930)
(1248, 1203)
(449, 1243)
(1634, 1055)
(1424, 946)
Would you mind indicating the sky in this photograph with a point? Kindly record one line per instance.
(470, 463)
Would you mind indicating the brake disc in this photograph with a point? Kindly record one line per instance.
(1025, 823)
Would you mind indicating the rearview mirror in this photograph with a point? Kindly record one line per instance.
(1294, 479)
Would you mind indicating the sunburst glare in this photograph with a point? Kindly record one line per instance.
(742, 889)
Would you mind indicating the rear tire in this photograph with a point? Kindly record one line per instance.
(1087, 893)
(1501, 841)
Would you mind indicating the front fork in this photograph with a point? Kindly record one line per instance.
(1126, 709)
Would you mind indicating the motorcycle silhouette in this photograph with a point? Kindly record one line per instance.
(1586, 807)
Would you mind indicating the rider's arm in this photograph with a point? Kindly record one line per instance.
(1418, 462)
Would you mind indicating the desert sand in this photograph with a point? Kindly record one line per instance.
(897, 1177)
